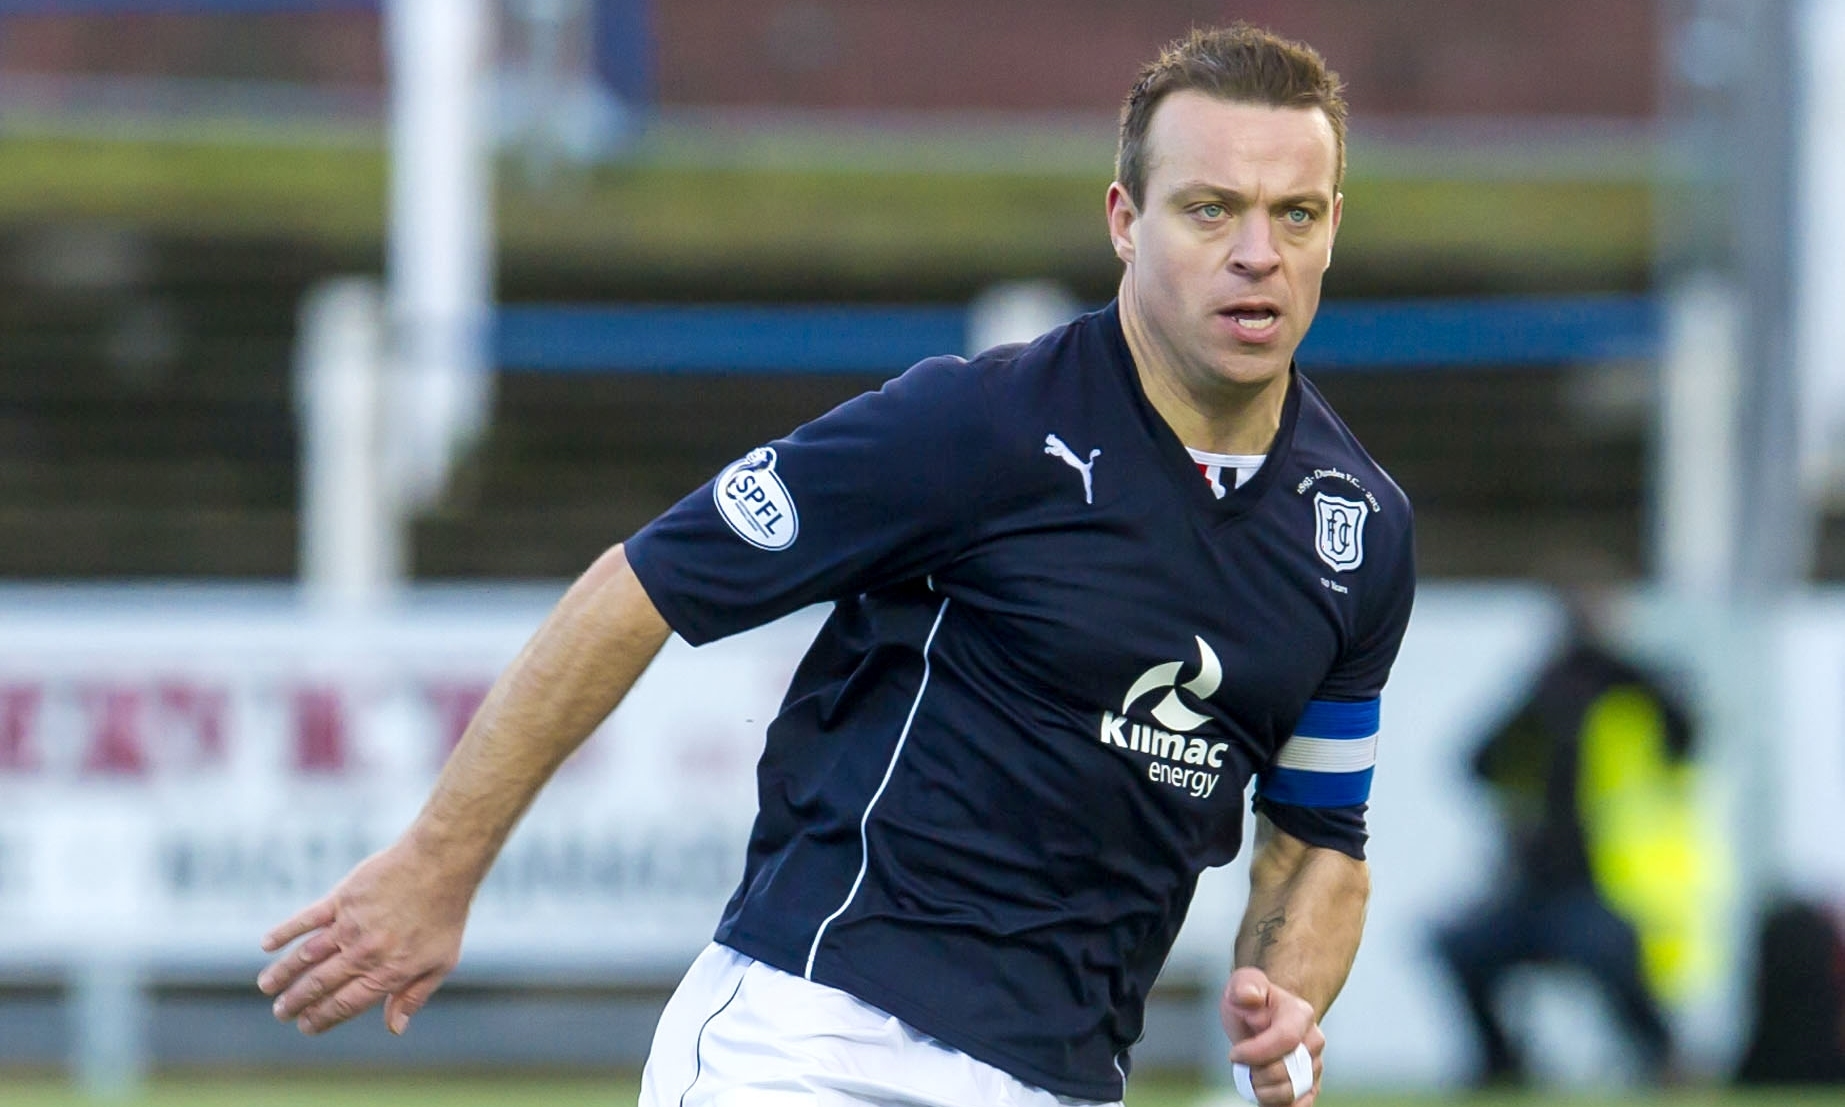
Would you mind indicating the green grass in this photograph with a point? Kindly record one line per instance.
(691, 223)
(297, 1090)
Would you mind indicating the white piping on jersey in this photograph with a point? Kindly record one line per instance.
(1328, 755)
(865, 820)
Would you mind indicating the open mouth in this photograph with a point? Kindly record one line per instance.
(1252, 324)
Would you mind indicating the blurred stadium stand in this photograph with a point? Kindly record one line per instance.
(148, 412)
(147, 429)
(150, 427)
(151, 433)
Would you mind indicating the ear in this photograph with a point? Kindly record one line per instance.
(1338, 213)
(1122, 222)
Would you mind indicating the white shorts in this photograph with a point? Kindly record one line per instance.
(739, 1033)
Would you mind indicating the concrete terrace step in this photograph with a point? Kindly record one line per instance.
(1473, 543)
(146, 542)
(639, 412)
(552, 543)
(210, 312)
(137, 483)
(100, 255)
(149, 432)
(105, 368)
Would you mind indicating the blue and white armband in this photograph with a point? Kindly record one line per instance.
(1329, 760)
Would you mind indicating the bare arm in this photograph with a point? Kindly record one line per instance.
(581, 663)
(1294, 950)
(392, 927)
(1306, 914)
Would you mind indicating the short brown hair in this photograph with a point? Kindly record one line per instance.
(1239, 63)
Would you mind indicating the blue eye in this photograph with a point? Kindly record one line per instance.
(1212, 211)
(1300, 217)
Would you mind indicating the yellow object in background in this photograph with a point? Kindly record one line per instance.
(1652, 851)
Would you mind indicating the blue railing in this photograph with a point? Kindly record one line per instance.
(1381, 335)
(703, 339)
(1486, 331)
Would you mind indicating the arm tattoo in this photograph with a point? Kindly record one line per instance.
(1268, 932)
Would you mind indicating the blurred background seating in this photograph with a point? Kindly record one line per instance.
(182, 173)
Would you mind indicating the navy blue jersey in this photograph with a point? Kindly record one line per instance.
(1054, 662)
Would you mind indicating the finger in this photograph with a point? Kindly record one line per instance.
(1240, 1024)
(1313, 1089)
(1315, 1045)
(283, 971)
(317, 917)
(1248, 988)
(326, 979)
(1244, 1009)
(1275, 1084)
(407, 1001)
(354, 998)
(1272, 1083)
(1265, 1048)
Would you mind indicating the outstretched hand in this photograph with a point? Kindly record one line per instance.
(391, 930)
(1265, 1023)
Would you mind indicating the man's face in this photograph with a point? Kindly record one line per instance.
(1224, 258)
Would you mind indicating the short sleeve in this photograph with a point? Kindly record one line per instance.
(1319, 784)
(882, 489)
(1363, 668)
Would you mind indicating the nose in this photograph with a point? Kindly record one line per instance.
(1252, 251)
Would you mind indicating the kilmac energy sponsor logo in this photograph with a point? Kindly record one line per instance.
(1178, 759)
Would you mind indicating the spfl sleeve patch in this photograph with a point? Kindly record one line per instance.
(755, 503)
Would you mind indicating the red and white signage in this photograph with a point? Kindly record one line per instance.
(176, 777)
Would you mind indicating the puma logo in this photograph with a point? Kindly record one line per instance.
(1054, 446)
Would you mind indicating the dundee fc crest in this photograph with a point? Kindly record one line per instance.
(1340, 530)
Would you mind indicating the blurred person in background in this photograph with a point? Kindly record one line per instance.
(1005, 759)
(1799, 1031)
(1591, 774)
